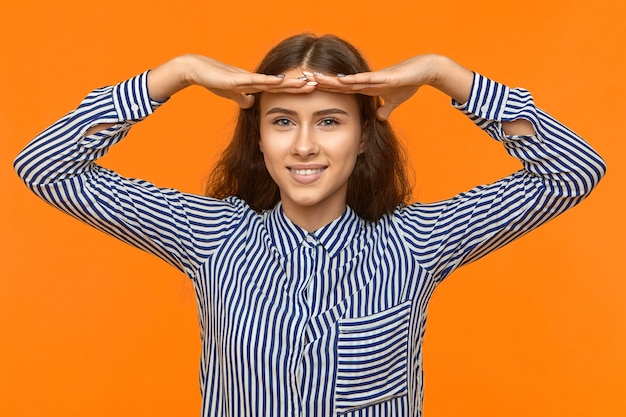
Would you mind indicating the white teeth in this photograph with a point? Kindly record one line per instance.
(307, 171)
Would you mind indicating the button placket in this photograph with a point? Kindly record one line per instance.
(310, 248)
(307, 254)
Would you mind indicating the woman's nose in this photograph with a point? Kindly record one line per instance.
(304, 142)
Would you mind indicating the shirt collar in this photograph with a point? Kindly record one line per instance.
(335, 236)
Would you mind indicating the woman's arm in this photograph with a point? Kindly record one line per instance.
(224, 80)
(559, 168)
(59, 165)
(396, 84)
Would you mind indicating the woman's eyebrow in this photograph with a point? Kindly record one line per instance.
(330, 111)
(324, 112)
(281, 110)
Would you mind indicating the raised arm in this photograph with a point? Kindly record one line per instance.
(396, 84)
(59, 165)
(223, 80)
(559, 169)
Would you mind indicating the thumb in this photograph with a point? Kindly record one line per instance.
(244, 101)
(384, 111)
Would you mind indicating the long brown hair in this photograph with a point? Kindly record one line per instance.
(379, 182)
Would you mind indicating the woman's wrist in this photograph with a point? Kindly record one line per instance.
(171, 77)
(451, 78)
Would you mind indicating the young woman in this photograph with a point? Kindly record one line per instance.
(312, 273)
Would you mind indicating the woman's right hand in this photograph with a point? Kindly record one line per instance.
(222, 79)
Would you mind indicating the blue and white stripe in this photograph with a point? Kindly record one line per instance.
(310, 324)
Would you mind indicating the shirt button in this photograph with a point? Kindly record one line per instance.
(484, 109)
(134, 107)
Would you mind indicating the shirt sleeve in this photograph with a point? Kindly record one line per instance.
(559, 170)
(59, 166)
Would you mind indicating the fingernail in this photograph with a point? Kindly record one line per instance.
(302, 78)
(280, 75)
(341, 75)
(317, 73)
(312, 83)
(307, 73)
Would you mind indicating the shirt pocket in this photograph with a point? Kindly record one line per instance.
(372, 358)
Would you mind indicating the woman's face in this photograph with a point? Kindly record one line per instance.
(310, 143)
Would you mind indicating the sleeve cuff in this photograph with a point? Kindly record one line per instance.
(487, 99)
(131, 99)
(490, 102)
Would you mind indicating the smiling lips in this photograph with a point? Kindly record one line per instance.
(306, 175)
(306, 171)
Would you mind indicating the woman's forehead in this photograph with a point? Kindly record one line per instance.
(312, 102)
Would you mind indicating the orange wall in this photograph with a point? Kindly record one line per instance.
(93, 327)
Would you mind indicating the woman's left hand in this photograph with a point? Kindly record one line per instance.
(398, 83)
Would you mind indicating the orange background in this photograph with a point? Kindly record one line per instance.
(90, 326)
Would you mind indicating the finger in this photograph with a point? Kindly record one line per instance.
(245, 101)
(303, 89)
(347, 81)
(257, 81)
(365, 90)
(384, 111)
(364, 83)
(370, 78)
(283, 85)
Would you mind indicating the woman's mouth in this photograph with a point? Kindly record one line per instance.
(306, 175)
(307, 171)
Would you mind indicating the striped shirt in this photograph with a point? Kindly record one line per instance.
(310, 324)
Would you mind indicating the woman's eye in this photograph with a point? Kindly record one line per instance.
(329, 122)
(282, 122)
